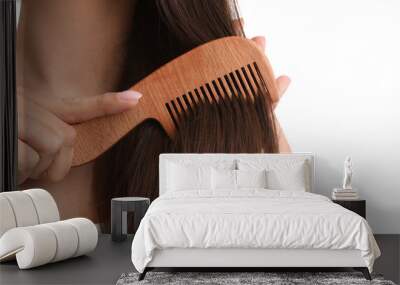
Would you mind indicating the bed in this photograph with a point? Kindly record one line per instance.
(247, 211)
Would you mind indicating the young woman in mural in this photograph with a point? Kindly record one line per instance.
(69, 52)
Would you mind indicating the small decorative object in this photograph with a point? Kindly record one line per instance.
(346, 192)
(348, 173)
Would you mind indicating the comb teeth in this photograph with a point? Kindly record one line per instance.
(243, 83)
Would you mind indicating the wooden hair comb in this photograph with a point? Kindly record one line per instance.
(223, 67)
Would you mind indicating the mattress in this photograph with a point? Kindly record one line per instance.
(250, 219)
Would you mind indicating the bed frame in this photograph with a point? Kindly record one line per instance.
(236, 259)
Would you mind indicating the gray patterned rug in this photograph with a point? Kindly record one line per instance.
(243, 278)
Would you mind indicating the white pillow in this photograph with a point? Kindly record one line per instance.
(223, 179)
(206, 161)
(282, 174)
(291, 178)
(183, 177)
(235, 179)
(251, 178)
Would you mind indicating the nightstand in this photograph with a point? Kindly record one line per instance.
(119, 210)
(357, 206)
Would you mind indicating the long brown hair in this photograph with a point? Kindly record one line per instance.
(161, 31)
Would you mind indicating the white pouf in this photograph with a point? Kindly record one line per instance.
(26, 208)
(40, 244)
(23, 208)
(7, 220)
(46, 207)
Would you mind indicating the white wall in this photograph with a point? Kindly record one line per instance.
(343, 57)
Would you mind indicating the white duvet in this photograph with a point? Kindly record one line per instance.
(251, 218)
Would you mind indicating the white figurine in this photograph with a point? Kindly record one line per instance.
(348, 173)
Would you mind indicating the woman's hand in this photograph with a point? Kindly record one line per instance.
(283, 81)
(45, 132)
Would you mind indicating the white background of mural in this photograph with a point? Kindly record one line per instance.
(344, 61)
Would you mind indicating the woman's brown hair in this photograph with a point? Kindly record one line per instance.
(161, 31)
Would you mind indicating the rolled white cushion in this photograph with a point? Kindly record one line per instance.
(67, 240)
(33, 246)
(87, 234)
(26, 208)
(7, 218)
(46, 207)
(41, 244)
(23, 208)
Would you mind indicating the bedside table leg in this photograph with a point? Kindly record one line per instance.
(364, 271)
(142, 275)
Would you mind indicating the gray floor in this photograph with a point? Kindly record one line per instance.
(389, 262)
(103, 266)
(110, 260)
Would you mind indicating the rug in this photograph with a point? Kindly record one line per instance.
(244, 278)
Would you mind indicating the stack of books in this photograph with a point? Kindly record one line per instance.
(344, 194)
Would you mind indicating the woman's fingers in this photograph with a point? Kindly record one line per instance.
(47, 134)
(28, 158)
(45, 161)
(282, 82)
(77, 110)
(41, 129)
(44, 133)
(45, 128)
(61, 164)
(260, 41)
